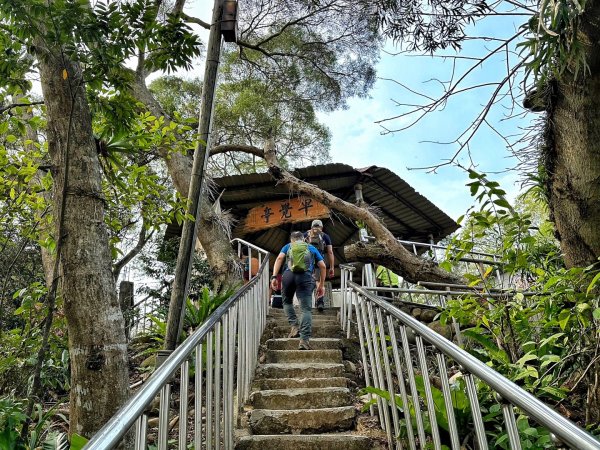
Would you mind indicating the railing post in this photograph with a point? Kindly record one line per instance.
(344, 292)
(390, 382)
(183, 405)
(400, 376)
(476, 411)
(198, 398)
(163, 417)
(209, 389)
(363, 345)
(378, 372)
(435, 432)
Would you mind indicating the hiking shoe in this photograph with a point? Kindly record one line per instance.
(294, 332)
(320, 305)
(304, 345)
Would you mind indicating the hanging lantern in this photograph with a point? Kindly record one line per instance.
(229, 26)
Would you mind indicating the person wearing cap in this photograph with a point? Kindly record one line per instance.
(301, 283)
(322, 241)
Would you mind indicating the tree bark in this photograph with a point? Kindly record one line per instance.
(413, 269)
(97, 344)
(572, 158)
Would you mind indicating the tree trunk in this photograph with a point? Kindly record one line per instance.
(212, 229)
(97, 345)
(412, 268)
(573, 153)
(572, 163)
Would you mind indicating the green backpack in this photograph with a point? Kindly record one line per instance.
(299, 257)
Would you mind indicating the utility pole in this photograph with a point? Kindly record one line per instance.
(188, 237)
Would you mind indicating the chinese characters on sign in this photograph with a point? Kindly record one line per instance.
(268, 213)
(292, 210)
(285, 210)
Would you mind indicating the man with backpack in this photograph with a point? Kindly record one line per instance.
(300, 260)
(317, 238)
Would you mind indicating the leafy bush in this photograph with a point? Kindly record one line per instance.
(41, 434)
(543, 334)
(546, 342)
(196, 313)
(20, 346)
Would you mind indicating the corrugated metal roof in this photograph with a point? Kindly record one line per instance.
(406, 213)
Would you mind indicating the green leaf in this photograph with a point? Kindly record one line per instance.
(550, 339)
(446, 265)
(554, 392)
(488, 344)
(528, 357)
(593, 283)
(549, 359)
(529, 371)
(503, 203)
(563, 318)
(77, 442)
(474, 187)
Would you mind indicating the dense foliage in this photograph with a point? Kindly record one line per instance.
(544, 335)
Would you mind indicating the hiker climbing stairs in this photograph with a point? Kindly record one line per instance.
(252, 388)
(300, 398)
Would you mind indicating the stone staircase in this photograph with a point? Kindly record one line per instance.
(300, 398)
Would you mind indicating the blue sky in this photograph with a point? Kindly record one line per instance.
(356, 127)
(359, 141)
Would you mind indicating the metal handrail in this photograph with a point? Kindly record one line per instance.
(373, 329)
(432, 246)
(496, 294)
(441, 247)
(237, 324)
(141, 312)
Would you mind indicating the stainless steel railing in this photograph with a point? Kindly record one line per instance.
(222, 353)
(401, 356)
(463, 262)
(140, 314)
(472, 262)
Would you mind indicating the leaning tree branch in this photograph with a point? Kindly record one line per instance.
(143, 238)
(388, 251)
(195, 20)
(16, 105)
(220, 149)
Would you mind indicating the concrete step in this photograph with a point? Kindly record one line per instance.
(292, 343)
(304, 442)
(297, 370)
(298, 383)
(301, 421)
(318, 330)
(287, 399)
(320, 356)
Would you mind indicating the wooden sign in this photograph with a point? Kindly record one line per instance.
(273, 214)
